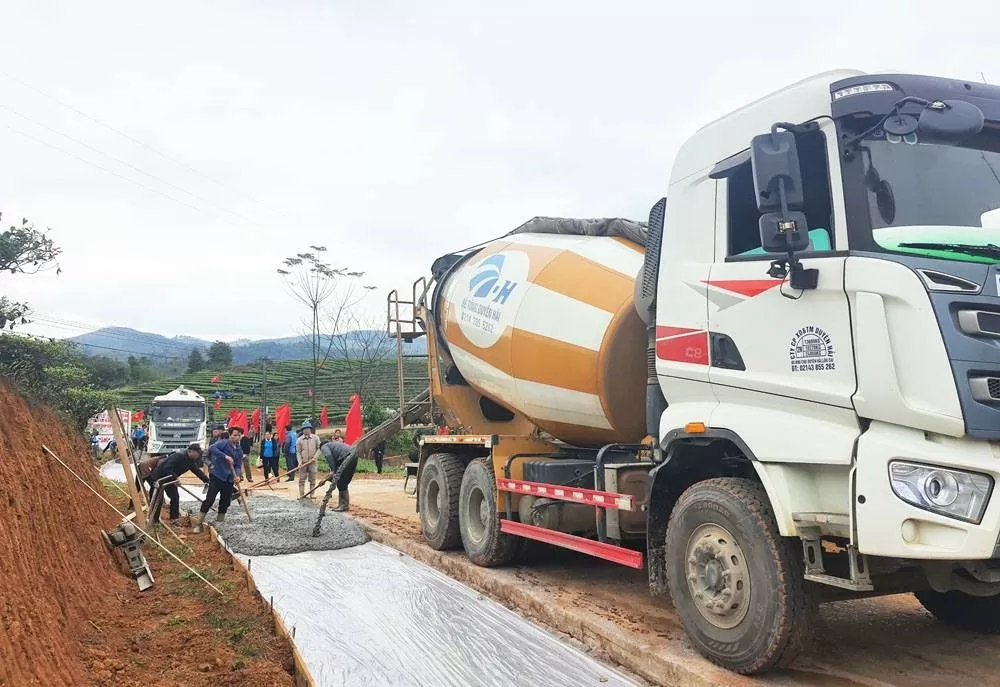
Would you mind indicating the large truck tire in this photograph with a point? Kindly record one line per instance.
(955, 608)
(736, 584)
(479, 520)
(440, 483)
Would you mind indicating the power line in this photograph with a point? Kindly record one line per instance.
(37, 337)
(123, 350)
(132, 139)
(139, 337)
(105, 169)
(127, 164)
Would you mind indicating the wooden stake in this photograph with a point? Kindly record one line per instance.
(122, 515)
(126, 461)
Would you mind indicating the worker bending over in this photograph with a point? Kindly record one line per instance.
(226, 471)
(308, 450)
(343, 461)
(170, 469)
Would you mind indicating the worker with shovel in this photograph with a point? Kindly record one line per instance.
(226, 472)
(169, 471)
(343, 461)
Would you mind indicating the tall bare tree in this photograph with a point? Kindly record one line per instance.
(314, 283)
(362, 344)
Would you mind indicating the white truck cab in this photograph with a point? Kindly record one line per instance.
(827, 309)
(177, 420)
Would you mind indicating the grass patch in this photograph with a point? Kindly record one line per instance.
(249, 650)
(368, 466)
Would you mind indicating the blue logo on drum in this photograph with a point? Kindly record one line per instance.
(488, 282)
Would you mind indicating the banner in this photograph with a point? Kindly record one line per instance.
(353, 431)
(102, 423)
(283, 418)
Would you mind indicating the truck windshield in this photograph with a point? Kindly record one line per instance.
(935, 200)
(172, 413)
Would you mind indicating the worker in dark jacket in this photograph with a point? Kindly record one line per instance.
(378, 455)
(342, 458)
(171, 468)
(225, 474)
(246, 445)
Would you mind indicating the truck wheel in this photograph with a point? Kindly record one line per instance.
(440, 482)
(955, 608)
(479, 520)
(736, 584)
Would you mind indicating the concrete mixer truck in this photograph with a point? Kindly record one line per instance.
(783, 389)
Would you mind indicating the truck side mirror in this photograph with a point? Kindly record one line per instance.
(777, 181)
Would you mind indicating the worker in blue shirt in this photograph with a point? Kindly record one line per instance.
(225, 472)
(291, 450)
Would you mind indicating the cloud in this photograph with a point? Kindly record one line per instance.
(391, 132)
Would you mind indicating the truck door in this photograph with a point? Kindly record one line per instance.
(781, 360)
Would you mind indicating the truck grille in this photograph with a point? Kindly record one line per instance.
(177, 439)
(985, 389)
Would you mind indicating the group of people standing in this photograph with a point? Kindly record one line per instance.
(228, 463)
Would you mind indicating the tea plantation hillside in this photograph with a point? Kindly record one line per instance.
(288, 381)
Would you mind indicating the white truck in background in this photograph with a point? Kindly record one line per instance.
(783, 389)
(177, 419)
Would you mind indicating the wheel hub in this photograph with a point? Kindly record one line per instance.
(718, 576)
(478, 514)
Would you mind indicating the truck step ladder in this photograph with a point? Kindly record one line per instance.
(859, 581)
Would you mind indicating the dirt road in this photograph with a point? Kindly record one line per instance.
(886, 641)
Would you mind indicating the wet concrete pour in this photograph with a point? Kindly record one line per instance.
(282, 526)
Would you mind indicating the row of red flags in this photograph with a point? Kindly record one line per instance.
(283, 418)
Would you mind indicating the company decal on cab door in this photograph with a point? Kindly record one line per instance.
(685, 345)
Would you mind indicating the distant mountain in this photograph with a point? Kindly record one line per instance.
(121, 342)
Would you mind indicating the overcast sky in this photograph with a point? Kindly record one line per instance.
(180, 150)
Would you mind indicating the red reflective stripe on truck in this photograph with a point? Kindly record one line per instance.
(686, 348)
(609, 552)
(745, 287)
(591, 497)
(671, 332)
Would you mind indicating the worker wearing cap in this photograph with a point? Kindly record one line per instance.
(225, 474)
(307, 448)
(171, 468)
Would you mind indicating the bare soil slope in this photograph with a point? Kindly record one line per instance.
(53, 565)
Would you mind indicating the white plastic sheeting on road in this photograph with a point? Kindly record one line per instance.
(113, 471)
(368, 615)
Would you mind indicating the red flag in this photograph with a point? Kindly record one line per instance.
(283, 418)
(255, 420)
(240, 421)
(231, 416)
(137, 416)
(324, 420)
(215, 379)
(218, 403)
(353, 430)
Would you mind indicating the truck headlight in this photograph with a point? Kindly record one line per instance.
(954, 493)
